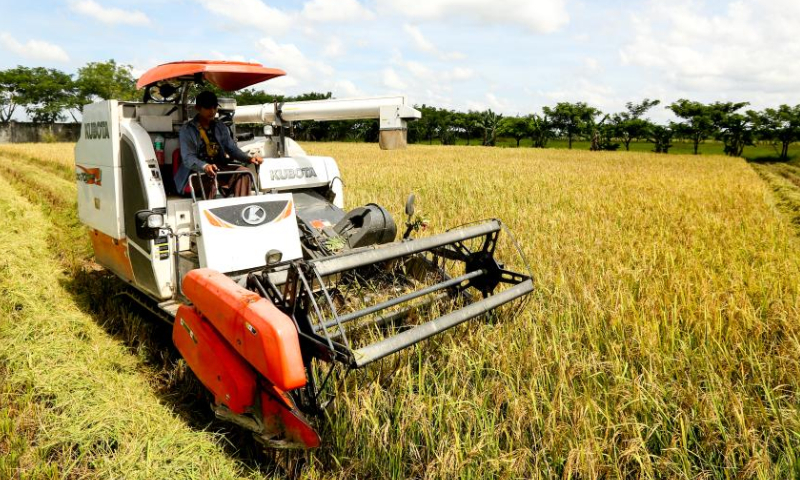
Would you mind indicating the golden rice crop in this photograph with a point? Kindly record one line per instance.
(662, 339)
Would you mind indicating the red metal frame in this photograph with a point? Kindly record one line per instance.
(226, 374)
(257, 330)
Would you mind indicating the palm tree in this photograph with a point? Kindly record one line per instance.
(490, 121)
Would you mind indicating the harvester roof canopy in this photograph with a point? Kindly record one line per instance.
(225, 75)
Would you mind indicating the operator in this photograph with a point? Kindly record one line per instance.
(206, 147)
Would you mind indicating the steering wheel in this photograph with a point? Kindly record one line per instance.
(163, 92)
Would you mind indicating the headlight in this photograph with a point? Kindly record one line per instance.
(155, 220)
(274, 256)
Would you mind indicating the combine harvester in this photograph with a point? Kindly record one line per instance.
(265, 292)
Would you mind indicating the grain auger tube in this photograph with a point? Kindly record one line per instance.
(276, 295)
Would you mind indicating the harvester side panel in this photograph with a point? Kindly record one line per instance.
(97, 170)
(259, 332)
(223, 371)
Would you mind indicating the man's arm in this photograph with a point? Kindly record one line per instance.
(189, 150)
(225, 139)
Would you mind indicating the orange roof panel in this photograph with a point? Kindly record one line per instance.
(225, 75)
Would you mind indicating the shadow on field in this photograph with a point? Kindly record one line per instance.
(769, 159)
(97, 293)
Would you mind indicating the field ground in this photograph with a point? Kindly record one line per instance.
(662, 340)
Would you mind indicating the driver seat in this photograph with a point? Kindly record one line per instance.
(176, 164)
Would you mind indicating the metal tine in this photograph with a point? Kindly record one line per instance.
(401, 299)
(310, 294)
(397, 315)
(407, 338)
(333, 309)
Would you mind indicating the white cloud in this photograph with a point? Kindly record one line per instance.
(217, 55)
(418, 70)
(334, 47)
(584, 90)
(34, 49)
(492, 101)
(460, 74)
(254, 13)
(290, 59)
(543, 16)
(346, 88)
(110, 16)
(592, 65)
(419, 39)
(336, 11)
(425, 45)
(748, 47)
(392, 80)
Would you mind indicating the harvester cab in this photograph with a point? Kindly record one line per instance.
(266, 292)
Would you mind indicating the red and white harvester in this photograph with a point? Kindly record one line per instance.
(266, 292)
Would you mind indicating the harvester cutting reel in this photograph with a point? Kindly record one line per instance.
(300, 326)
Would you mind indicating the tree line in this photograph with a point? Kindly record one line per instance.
(49, 95)
(726, 122)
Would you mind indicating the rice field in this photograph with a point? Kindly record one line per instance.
(662, 340)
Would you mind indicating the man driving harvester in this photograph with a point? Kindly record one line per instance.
(207, 147)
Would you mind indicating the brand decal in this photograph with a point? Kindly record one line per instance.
(95, 130)
(254, 214)
(292, 173)
(89, 176)
(249, 215)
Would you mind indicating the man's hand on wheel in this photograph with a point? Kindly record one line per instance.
(256, 159)
(211, 170)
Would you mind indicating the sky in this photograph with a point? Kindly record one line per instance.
(513, 56)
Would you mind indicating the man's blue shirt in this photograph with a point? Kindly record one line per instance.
(192, 144)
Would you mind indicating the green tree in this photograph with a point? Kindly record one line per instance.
(472, 125)
(541, 130)
(50, 94)
(780, 126)
(14, 90)
(426, 127)
(661, 137)
(602, 134)
(445, 129)
(514, 127)
(698, 121)
(105, 81)
(490, 121)
(571, 119)
(629, 124)
(735, 130)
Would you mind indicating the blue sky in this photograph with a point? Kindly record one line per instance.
(513, 56)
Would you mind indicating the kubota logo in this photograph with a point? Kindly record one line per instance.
(292, 173)
(95, 130)
(254, 214)
(89, 176)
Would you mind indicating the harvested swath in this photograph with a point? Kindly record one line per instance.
(53, 189)
(56, 158)
(784, 180)
(101, 419)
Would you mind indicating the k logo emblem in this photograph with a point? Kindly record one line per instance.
(253, 214)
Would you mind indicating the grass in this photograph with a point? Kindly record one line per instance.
(95, 410)
(662, 340)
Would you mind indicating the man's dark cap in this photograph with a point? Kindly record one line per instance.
(206, 99)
